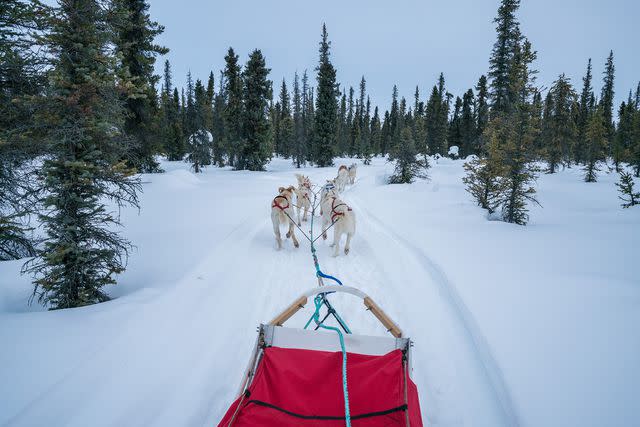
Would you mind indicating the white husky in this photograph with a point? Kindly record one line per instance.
(335, 211)
(303, 196)
(353, 169)
(342, 179)
(282, 213)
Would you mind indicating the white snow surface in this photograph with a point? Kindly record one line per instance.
(529, 326)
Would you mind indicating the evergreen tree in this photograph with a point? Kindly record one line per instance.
(585, 108)
(481, 109)
(408, 166)
(199, 151)
(376, 132)
(519, 133)
(455, 133)
(623, 140)
(606, 99)
(595, 144)
(347, 147)
(233, 113)
(308, 116)
(365, 151)
(134, 41)
(171, 126)
(484, 174)
(23, 78)
(468, 126)
(285, 123)
(342, 136)
(394, 119)
(502, 57)
(257, 93)
(626, 188)
(562, 135)
(635, 139)
(436, 119)
(217, 127)
(84, 122)
(326, 106)
(298, 126)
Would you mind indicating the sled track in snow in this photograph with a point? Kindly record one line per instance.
(472, 333)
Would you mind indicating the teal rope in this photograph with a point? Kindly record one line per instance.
(316, 317)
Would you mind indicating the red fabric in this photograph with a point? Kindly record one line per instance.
(309, 383)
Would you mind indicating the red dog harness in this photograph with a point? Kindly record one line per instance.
(275, 203)
(334, 213)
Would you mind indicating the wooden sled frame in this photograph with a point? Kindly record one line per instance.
(370, 305)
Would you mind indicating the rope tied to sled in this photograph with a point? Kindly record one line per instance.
(319, 302)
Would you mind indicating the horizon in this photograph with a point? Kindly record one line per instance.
(370, 50)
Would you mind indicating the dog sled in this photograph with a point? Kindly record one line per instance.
(326, 375)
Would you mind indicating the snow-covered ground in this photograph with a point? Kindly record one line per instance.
(531, 326)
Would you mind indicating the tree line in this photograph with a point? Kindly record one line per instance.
(82, 113)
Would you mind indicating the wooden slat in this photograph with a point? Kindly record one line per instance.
(383, 318)
(290, 311)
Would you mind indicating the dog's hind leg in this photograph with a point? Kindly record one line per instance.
(276, 231)
(336, 241)
(293, 234)
(347, 245)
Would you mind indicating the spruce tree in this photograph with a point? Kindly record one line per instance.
(85, 122)
(256, 151)
(285, 123)
(626, 187)
(519, 133)
(559, 146)
(298, 151)
(199, 151)
(467, 126)
(623, 139)
(342, 130)
(217, 127)
(483, 179)
(365, 151)
(326, 106)
(408, 166)
(454, 137)
(585, 108)
(376, 132)
(502, 57)
(172, 127)
(606, 99)
(481, 110)
(134, 42)
(23, 79)
(437, 118)
(233, 112)
(595, 144)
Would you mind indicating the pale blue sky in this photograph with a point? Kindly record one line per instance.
(400, 42)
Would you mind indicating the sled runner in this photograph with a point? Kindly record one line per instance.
(303, 377)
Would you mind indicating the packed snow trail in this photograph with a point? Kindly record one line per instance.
(171, 348)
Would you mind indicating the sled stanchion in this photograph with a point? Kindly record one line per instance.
(289, 311)
(382, 317)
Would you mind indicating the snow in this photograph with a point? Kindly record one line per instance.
(531, 326)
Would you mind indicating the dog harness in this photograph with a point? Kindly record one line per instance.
(334, 213)
(275, 203)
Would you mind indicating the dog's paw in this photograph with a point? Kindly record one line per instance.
(324, 237)
(346, 251)
(288, 235)
(296, 244)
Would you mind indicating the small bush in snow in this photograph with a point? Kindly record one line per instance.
(408, 165)
(625, 186)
